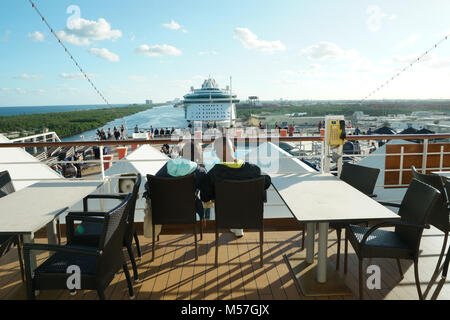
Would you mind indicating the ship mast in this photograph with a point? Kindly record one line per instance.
(231, 102)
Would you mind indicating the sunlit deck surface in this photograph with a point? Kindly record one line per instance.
(176, 275)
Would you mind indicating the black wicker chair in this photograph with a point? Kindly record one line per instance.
(439, 218)
(7, 241)
(239, 204)
(447, 258)
(361, 178)
(98, 265)
(404, 242)
(173, 202)
(88, 233)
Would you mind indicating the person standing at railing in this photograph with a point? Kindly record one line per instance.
(116, 133)
(291, 130)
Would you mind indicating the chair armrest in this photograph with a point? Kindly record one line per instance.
(101, 196)
(390, 204)
(27, 247)
(392, 224)
(87, 213)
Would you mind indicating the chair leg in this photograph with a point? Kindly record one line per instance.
(101, 294)
(261, 249)
(201, 228)
(19, 253)
(400, 268)
(153, 243)
(441, 255)
(130, 285)
(416, 275)
(138, 246)
(217, 247)
(361, 280)
(446, 263)
(133, 262)
(338, 256)
(195, 239)
(345, 253)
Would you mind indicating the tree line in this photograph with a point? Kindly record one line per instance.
(66, 123)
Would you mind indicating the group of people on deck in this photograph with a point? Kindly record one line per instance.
(229, 168)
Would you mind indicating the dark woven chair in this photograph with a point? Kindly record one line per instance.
(173, 202)
(88, 233)
(8, 241)
(98, 265)
(404, 241)
(239, 204)
(439, 217)
(361, 178)
(447, 258)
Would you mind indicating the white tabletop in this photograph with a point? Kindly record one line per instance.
(445, 174)
(315, 197)
(28, 210)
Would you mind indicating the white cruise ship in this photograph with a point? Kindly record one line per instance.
(211, 104)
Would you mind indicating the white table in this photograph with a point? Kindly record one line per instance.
(28, 210)
(323, 198)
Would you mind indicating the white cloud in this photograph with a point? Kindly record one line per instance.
(328, 51)
(81, 32)
(208, 53)
(26, 76)
(376, 16)
(6, 90)
(105, 54)
(158, 50)
(173, 25)
(410, 40)
(36, 36)
(75, 76)
(250, 41)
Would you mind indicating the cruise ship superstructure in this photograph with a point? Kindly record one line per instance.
(211, 104)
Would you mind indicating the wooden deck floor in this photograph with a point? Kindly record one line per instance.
(176, 275)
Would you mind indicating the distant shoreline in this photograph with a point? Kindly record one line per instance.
(67, 123)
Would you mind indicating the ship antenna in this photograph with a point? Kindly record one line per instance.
(231, 100)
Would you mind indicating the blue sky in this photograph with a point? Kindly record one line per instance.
(291, 49)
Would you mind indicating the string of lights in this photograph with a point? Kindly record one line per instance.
(70, 54)
(410, 65)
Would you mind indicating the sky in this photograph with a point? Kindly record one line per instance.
(157, 49)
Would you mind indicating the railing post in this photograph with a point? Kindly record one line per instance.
(441, 159)
(425, 156)
(400, 175)
(102, 167)
(34, 148)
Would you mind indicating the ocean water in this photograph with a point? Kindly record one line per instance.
(158, 117)
(13, 111)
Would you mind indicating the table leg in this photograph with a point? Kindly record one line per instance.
(323, 253)
(310, 233)
(52, 233)
(29, 238)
